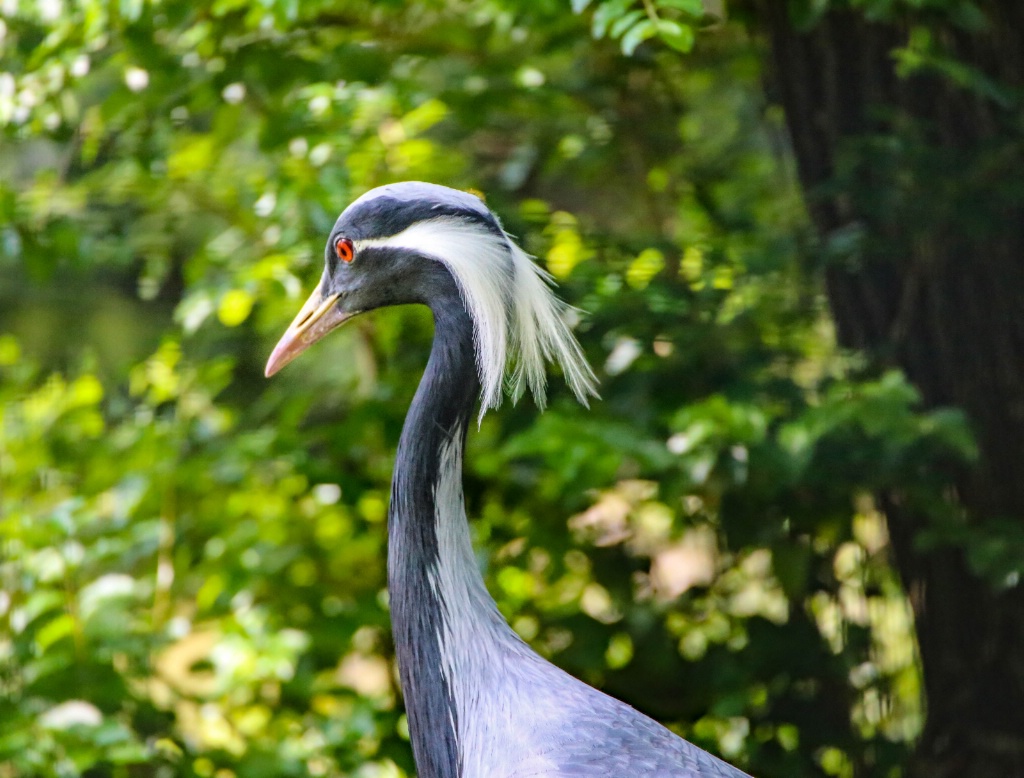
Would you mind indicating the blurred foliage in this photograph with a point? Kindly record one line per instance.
(192, 560)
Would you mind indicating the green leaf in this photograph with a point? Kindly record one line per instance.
(637, 34)
(56, 629)
(625, 22)
(680, 37)
(235, 307)
(607, 14)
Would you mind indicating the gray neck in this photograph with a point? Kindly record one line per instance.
(432, 575)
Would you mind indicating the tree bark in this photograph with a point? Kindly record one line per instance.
(916, 186)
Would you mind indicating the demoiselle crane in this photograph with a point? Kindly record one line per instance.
(480, 702)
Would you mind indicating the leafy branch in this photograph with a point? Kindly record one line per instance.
(674, 22)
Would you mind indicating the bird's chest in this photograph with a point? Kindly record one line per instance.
(512, 713)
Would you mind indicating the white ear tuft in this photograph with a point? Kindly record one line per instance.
(541, 334)
(519, 322)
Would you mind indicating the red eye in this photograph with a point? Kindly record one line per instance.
(343, 247)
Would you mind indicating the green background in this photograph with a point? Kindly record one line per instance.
(192, 558)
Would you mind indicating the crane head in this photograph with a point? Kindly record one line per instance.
(386, 248)
(375, 254)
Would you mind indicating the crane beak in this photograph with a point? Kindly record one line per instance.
(316, 318)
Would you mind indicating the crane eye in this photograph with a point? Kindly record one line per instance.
(343, 247)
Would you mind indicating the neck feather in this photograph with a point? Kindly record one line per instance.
(437, 594)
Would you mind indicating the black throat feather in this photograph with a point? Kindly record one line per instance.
(440, 411)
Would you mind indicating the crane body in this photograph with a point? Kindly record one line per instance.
(481, 703)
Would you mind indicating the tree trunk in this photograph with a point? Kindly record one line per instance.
(916, 186)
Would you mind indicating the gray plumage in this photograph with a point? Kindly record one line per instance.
(481, 703)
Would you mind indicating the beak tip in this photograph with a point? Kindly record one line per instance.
(277, 360)
(313, 321)
(279, 357)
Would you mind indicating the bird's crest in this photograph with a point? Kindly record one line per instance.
(519, 323)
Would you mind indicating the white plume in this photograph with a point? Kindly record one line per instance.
(519, 322)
